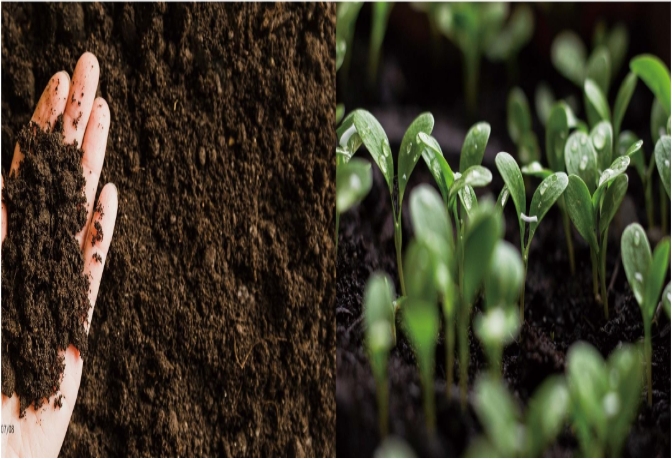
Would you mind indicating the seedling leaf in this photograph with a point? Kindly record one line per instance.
(602, 137)
(655, 75)
(623, 97)
(612, 201)
(624, 362)
(353, 183)
(518, 118)
(497, 327)
(557, 130)
(379, 320)
(598, 68)
(430, 221)
(618, 167)
(658, 121)
(535, 169)
(513, 178)
(568, 54)
(587, 382)
(636, 256)
(468, 199)
(656, 276)
(375, 140)
(410, 149)
(475, 176)
(581, 159)
(596, 103)
(662, 153)
(439, 168)
(546, 413)
(544, 100)
(498, 413)
(505, 275)
(528, 148)
(549, 190)
(580, 210)
(349, 140)
(483, 231)
(474, 145)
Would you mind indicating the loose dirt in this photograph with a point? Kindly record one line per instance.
(44, 290)
(213, 333)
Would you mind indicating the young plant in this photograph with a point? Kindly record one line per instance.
(362, 127)
(379, 17)
(420, 319)
(550, 189)
(500, 324)
(604, 397)
(593, 198)
(346, 17)
(519, 124)
(507, 432)
(353, 183)
(646, 276)
(380, 337)
(431, 226)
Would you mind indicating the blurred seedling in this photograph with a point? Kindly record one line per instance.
(380, 337)
(509, 433)
(519, 124)
(604, 397)
(353, 183)
(499, 324)
(548, 191)
(646, 275)
(360, 127)
(379, 18)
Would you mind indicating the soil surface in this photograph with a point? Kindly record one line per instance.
(213, 333)
(44, 288)
(559, 310)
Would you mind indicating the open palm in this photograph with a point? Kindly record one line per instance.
(41, 432)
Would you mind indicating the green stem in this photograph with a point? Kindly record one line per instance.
(382, 394)
(464, 354)
(647, 358)
(522, 287)
(428, 386)
(603, 274)
(593, 260)
(397, 245)
(450, 351)
(568, 238)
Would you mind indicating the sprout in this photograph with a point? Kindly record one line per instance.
(432, 226)
(604, 395)
(593, 196)
(507, 432)
(421, 321)
(500, 324)
(646, 275)
(360, 127)
(550, 189)
(380, 336)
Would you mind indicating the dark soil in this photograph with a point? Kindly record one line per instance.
(559, 311)
(213, 333)
(44, 288)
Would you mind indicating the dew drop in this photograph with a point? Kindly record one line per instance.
(466, 199)
(639, 278)
(475, 146)
(667, 163)
(408, 148)
(355, 182)
(584, 162)
(575, 146)
(554, 178)
(637, 237)
(599, 140)
(542, 188)
(611, 404)
(505, 196)
(404, 177)
(583, 139)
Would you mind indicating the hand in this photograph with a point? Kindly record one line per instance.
(41, 432)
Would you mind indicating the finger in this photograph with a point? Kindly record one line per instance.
(97, 241)
(4, 210)
(51, 104)
(95, 141)
(80, 99)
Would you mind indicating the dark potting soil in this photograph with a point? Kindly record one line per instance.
(44, 288)
(559, 310)
(213, 332)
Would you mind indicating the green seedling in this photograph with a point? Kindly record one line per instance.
(359, 127)
(550, 189)
(346, 17)
(379, 17)
(616, 41)
(604, 397)
(380, 337)
(519, 123)
(500, 324)
(662, 155)
(666, 300)
(432, 227)
(509, 433)
(646, 275)
(353, 183)
(481, 28)
(544, 100)
(594, 198)
(394, 447)
(421, 320)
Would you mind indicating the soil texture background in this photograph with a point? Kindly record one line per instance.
(44, 289)
(213, 332)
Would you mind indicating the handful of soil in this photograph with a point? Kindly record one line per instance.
(44, 290)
